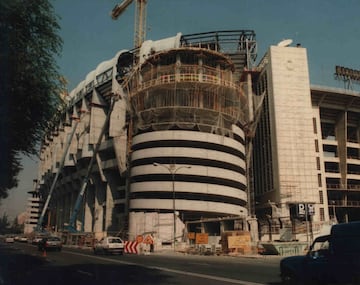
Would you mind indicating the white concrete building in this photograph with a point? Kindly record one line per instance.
(295, 164)
(190, 112)
(33, 210)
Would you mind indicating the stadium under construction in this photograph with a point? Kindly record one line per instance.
(193, 134)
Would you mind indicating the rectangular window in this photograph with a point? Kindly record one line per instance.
(314, 125)
(318, 166)
(316, 145)
(322, 214)
(321, 197)
(319, 180)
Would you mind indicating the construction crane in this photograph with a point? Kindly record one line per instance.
(140, 18)
(39, 228)
(139, 36)
(72, 222)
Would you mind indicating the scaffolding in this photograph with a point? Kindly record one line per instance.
(187, 88)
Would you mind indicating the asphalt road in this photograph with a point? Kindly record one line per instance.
(23, 264)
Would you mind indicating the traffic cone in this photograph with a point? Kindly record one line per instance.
(44, 253)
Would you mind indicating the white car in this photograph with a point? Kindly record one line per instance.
(37, 239)
(9, 240)
(109, 245)
(23, 239)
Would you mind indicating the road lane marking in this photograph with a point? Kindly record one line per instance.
(199, 263)
(85, 272)
(211, 277)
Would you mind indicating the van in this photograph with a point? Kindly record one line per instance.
(331, 259)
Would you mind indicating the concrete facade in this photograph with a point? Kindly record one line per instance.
(302, 148)
(174, 155)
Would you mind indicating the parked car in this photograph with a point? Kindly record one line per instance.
(22, 239)
(109, 245)
(36, 239)
(9, 239)
(48, 243)
(331, 259)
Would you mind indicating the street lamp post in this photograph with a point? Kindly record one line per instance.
(172, 169)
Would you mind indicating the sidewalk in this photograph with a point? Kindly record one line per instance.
(171, 252)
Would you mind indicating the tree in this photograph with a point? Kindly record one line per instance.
(17, 228)
(29, 81)
(4, 224)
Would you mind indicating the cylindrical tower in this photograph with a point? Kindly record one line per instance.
(188, 153)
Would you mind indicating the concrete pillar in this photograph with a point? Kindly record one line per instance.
(341, 137)
(218, 73)
(115, 217)
(72, 207)
(89, 209)
(254, 231)
(249, 95)
(62, 213)
(109, 209)
(222, 227)
(100, 192)
(177, 68)
(136, 224)
(61, 208)
(67, 205)
(203, 228)
(58, 209)
(201, 71)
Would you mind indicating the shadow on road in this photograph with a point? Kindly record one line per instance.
(98, 274)
(17, 268)
(14, 264)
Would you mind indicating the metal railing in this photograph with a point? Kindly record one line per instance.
(343, 187)
(189, 74)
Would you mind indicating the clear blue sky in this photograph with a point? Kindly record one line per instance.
(329, 29)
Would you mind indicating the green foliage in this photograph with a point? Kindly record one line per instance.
(17, 228)
(4, 224)
(29, 81)
(7, 228)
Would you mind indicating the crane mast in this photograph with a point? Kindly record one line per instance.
(140, 18)
(140, 22)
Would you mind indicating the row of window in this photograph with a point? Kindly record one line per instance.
(328, 131)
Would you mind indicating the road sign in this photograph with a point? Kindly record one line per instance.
(139, 238)
(131, 247)
(191, 235)
(305, 208)
(201, 238)
(240, 241)
(311, 209)
(148, 240)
